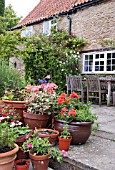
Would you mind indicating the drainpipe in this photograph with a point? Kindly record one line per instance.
(70, 24)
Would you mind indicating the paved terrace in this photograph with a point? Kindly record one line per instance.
(99, 151)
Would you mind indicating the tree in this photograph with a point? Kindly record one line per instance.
(10, 17)
(2, 7)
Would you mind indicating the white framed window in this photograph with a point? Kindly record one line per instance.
(99, 62)
(27, 32)
(48, 25)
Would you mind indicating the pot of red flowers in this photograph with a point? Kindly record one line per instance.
(69, 110)
(65, 139)
(40, 151)
(22, 164)
(15, 99)
(39, 105)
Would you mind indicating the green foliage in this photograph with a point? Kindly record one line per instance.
(9, 44)
(10, 18)
(40, 146)
(55, 55)
(65, 133)
(9, 78)
(7, 136)
(19, 130)
(2, 7)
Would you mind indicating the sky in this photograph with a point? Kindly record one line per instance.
(22, 7)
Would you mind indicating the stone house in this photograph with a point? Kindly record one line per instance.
(92, 20)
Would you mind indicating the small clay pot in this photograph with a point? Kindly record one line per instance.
(22, 164)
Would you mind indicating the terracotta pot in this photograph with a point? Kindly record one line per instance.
(80, 131)
(35, 120)
(20, 153)
(18, 105)
(7, 159)
(64, 144)
(40, 162)
(22, 167)
(51, 134)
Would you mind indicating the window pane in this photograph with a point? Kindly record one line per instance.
(96, 68)
(97, 63)
(101, 68)
(97, 56)
(108, 68)
(108, 55)
(113, 61)
(101, 55)
(91, 57)
(86, 57)
(108, 62)
(102, 63)
(113, 55)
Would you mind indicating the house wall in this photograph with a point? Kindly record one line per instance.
(94, 24)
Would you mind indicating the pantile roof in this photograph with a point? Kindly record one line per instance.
(49, 8)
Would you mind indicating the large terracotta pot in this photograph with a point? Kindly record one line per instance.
(20, 154)
(39, 162)
(35, 120)
(18, 105)
(51, 134)
(19, 164)
(80, 131)
(7, 159)
(64, 144)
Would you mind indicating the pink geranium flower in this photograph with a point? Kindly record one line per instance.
(29, 145)
(64, 153)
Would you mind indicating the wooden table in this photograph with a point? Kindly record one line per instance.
(109, 80)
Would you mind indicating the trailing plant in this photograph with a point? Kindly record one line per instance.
(57, 55)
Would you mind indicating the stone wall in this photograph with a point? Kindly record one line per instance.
(94, 24)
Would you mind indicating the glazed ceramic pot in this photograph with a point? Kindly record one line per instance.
(35, 120)
(39, 162)
(80, 131)
(7, 159)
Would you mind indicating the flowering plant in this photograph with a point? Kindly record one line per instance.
(9, 114)
(40, 98)
(69, 108)
(40, 146)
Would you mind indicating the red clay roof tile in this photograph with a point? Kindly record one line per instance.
(48, 8)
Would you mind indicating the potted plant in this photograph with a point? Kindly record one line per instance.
(69, 110)
(22, 164)
(39, 105)
(65, 139)
(51, 134)
(40, 151)
(8, 148)
(22, 133)
(15, 98)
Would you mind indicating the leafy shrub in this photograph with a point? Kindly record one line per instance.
(9, 78)
(55, 55)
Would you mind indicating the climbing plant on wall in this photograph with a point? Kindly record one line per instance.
(56, 55)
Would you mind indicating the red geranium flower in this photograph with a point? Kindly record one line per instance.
(63, 110)
(72, 112)
(74, 95)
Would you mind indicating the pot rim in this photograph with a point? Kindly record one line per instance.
(15, 150)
